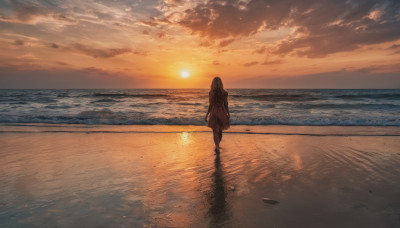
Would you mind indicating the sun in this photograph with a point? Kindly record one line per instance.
(185, 74)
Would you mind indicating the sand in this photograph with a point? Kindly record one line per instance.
(169, 176)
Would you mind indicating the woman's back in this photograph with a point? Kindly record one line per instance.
(218, 98)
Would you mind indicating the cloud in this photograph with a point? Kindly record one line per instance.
(153, 22)
(176, 2)
(216, 63)
(140, 53)
(342, 79)
(104, 15)
(31, 11)
(249, 64)
(272, 62)
(149, 23)
(205, 43)
(27, 11)
(19, 43)
(97, 52)
(225, 43)
(260, 50)
(394, 46)
(321, 27)
(222, 19)
(88, 78)
(61, 63)
(161, 34)
(173, 3)
(216, 44)
(318, 27)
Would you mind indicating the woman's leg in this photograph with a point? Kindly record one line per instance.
(220, 135)
(216, 139)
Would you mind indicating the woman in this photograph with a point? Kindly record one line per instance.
(218, 110)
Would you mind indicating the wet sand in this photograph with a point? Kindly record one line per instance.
(169, 176)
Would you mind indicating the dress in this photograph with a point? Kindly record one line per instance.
(218, 115)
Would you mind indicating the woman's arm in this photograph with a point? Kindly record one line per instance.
(209, 107)
(208, 112)
(226, 106)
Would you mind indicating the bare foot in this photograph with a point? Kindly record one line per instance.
(216, 150)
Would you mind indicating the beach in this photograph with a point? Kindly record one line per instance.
(112, 114)
(66, 175)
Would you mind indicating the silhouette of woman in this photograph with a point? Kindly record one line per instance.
(218, 110)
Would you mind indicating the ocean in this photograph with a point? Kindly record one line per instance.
(370, 107)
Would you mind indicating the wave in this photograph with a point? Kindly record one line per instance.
(57, 106)
(188, 107)
(62, 95)
(369, 96)
(190, 103)
(124, 95)
(108, 117)
(15, 102)
(348, 106)
(27, 100)
(278, 97)
(107, 100)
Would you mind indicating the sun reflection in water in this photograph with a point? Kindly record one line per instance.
(185, 138)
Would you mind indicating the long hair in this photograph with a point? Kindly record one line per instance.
(217, 91)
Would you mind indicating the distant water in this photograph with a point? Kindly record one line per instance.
(188, 107)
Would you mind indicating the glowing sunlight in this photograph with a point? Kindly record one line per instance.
(185, 74)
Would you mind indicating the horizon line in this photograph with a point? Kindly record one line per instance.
(199, 88)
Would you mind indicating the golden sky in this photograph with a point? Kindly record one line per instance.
(249, 43)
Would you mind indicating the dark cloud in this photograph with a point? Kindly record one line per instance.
(104, 15)
(260, 50)
(161, 34)
(272, 62)
(225, 43)
(322, 27)
(154, 22)
(394, 46)
(54, 45)
(27, 11)
(176, 2)
(249, 64)
(140, 53)
(221, 19)
(97, 52)
(62, 63)
(19, 43)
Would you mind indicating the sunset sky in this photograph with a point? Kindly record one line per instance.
(249, 43)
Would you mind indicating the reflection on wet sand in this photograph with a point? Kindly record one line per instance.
(174, 180)
(217, 197)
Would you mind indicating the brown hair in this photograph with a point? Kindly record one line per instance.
(217, 91)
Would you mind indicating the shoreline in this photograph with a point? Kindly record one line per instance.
(306, 130)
